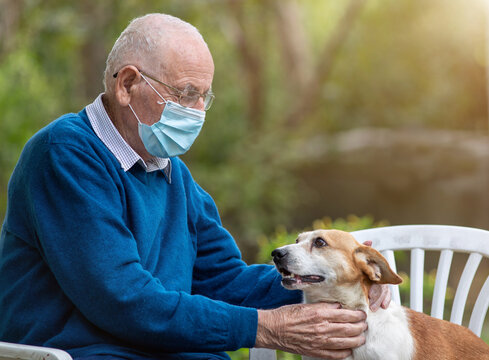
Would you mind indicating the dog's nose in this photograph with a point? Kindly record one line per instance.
(279, 254)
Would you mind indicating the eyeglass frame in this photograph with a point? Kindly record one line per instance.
(209, 95)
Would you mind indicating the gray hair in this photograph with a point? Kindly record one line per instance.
(137, 43)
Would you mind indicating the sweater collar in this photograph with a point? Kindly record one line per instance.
(108, 134)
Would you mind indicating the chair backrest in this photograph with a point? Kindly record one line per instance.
(417, 239)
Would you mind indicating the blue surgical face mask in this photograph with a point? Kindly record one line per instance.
(174, 133)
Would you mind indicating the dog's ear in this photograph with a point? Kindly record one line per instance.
(375, 266)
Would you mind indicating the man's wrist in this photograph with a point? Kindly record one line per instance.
(264, 331)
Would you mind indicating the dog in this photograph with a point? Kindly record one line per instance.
(331, 266)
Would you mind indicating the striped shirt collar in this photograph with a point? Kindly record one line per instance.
(108, 134)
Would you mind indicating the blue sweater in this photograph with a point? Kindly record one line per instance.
(96, 260)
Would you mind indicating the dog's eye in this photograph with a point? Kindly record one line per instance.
(297, 240)
(320, 242)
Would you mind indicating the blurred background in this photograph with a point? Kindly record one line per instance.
(324, 109)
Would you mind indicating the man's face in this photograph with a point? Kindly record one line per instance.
(186, 64)
(190, 66)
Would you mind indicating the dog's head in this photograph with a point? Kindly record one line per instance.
(330, 259)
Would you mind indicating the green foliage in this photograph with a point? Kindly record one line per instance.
(241, 354)
(28, 101)
(247, 156)
(283, 237)
(485, 334)
(406, 71)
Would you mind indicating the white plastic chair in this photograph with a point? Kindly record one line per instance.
(417, 239)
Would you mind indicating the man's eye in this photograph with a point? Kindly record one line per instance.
(320, 242)
(190, 92)
(191, 97)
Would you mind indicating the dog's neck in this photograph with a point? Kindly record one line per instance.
(350, 296)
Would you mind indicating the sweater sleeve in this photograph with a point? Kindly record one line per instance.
(78, 218)
(220, 273)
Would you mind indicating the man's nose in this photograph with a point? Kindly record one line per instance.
(279, 255)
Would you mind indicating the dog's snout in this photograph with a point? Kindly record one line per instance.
(279, 254)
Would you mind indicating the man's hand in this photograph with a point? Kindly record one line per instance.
(316, 330)
(379, 295)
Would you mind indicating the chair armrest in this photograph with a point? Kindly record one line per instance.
(29, 352)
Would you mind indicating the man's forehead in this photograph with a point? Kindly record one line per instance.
(184, 47)
(191, 67)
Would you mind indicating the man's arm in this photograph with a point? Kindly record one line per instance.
(219, 271)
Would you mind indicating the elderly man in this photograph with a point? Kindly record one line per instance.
(112, 250)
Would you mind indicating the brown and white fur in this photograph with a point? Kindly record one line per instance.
(331, 266)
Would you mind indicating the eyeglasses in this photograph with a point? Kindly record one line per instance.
(186, 97)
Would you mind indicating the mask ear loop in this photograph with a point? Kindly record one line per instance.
(130, 107)
(156, 91)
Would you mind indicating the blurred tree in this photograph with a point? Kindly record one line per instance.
(260, 163)
(10, 11)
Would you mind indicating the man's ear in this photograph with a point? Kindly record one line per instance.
(375, 266)
(126, 78)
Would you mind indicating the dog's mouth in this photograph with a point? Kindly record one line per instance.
(289, 279)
